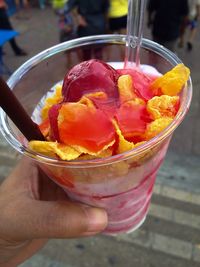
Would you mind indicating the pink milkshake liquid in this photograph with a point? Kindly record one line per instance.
(122, 184)
(123, 188)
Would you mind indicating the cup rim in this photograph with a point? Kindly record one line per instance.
(112, 38)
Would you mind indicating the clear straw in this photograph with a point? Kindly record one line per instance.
(135, 23)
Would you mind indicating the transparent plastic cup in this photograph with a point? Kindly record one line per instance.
(122, 184)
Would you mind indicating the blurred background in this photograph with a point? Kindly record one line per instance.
(170, 234)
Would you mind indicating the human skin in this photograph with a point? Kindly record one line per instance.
(34, 209)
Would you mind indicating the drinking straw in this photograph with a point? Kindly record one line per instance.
(135, 23)
(12, 107)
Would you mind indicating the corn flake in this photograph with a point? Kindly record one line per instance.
(66, 152)
(50, 101)
(163, 106)
(52, 149)
(103, 154)
(125, 87)
(123, 144)
(156, 127)
(83, 150)
(172, 82)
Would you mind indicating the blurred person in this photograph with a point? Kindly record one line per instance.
(67, 30)
(91, 20)
(23, 7)
(34, 209)
(6, 25)
(191, 23)
(117, 20)
(22, 3)
(66, 26)
(58, 5)
(117, 15)
(42, 4)
(165, 18)
(65, 21)
(11, 7)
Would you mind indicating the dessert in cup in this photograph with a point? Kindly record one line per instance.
(107, 129)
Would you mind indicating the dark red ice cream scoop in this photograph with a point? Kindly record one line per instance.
(89, 77)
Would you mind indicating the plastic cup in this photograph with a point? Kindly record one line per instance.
(122, 184)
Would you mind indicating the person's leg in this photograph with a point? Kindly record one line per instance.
(192, 35)
(183, 28)
(4, 20)
(171, 45)
(25, 3)
(6, 25)
(42, 4)
(23, 9)
(17, 50)
(17, 2)
(1, 61)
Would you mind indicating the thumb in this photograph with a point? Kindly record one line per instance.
(59, 219)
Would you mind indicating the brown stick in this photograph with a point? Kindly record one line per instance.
(17, 113)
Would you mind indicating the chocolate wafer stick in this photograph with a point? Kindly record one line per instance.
(17, 113)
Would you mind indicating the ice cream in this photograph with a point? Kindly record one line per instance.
(98, 105)
(102, 112)
(89, 77)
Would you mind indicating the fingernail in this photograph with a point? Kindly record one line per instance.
(97, 219)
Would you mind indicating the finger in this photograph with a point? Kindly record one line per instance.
(59, 219)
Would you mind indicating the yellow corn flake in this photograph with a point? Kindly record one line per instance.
(50, 101)
(123, 145)
(104, 154)
(156, 127)
(125, 87)
(84, 101)
(42, 147)
(66, 152)
(52, 149)
(172, 82)
(126, 92)
(83, 150)
(70, 112)
(162, 106)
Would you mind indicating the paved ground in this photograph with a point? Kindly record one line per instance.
(170, 235)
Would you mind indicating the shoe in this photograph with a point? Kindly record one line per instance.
(189, 46)
(21, 52)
